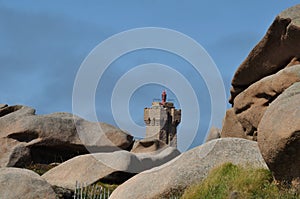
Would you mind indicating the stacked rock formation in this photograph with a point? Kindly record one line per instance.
(265, 97)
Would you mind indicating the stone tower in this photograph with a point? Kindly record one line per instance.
(162, 120)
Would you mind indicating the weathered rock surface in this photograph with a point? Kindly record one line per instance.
(26, 137)
(3, 106)
(148, 145)
(232, 127)
(113, 167)
(214, 133)
(189, 168)
(279, 135)
(280, 45)
(23, 183)
(251, 104)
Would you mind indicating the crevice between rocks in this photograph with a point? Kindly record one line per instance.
(9, 109)
(58, 153)
(244, 108)
(25, 136)
(269, 98)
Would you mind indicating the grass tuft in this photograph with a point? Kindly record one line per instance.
(234, 182)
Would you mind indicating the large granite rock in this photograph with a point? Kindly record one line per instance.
(276, 50)
(28, 138)
(189, 168)
(148, 145)
(115, 167)
(279, 136)
(251, 104)
(232, 126)
(23, 183)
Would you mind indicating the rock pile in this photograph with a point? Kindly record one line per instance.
(113, 168)
(60, 140)
(27, 138)
(265, 97)
(189, 168)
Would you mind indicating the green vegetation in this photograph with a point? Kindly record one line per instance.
(111, 187)
(233, 182)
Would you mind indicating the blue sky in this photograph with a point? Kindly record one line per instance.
(43, 44)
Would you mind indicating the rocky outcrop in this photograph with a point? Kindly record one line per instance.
(114, 167)
(251, 104)
(189, 168)
(265, 104)
(23, 183)
(28, 138)
(279, 48)
(279, 136)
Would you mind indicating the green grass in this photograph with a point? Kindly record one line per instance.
(107, 186)
(233, 182)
